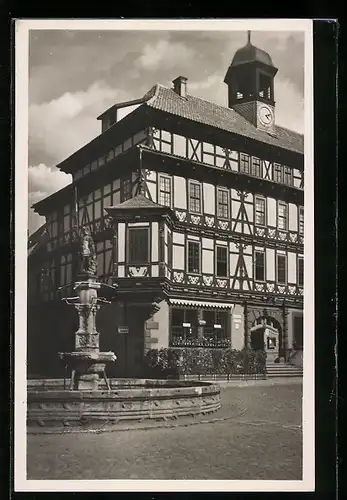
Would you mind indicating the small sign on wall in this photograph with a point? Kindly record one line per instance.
(153, 340)
(152, 325)
(123, 329)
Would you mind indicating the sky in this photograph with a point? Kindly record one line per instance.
(76, 75)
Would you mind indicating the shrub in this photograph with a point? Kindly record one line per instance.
(173, 362)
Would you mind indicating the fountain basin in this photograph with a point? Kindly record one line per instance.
(49, 405)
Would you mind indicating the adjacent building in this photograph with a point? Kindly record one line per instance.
(197, 212)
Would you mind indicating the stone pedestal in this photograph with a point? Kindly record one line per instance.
(86, 362)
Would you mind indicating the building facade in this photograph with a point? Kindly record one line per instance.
(197, 212)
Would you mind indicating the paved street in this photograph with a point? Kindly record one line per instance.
(256, 435)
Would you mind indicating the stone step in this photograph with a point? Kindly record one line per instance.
(284, 375)
(283, 367)
(284, 371)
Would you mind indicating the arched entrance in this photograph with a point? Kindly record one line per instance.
(266, 334)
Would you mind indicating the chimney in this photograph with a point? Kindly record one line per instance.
(180, 86)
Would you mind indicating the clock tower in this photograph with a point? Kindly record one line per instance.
(250, 80)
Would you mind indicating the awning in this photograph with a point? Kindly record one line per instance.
(198, 303)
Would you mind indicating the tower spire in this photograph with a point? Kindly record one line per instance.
(249, 37)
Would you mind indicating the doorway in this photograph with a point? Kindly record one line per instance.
(265, 336)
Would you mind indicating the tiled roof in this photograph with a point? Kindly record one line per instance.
(139, 201)
(36, 239)
(223, 118)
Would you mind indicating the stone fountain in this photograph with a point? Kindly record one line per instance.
(90, 400)
(86, 363)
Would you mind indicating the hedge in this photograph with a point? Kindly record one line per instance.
(173, 362)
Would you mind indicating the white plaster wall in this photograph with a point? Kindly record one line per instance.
(271, 212)
(178, 257)
(293, 217)
(178, 238)
(152, 188)
(180, 193)
(209, 198)
(121, 242)
(155, 242)
(291, 259)
(207, 261)
(270, 264)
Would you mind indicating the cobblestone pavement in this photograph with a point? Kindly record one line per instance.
(255, 435)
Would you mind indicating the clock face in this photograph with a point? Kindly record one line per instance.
(265, 115)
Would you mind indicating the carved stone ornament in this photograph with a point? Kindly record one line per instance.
(87, 252)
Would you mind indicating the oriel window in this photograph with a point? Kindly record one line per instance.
(138, 245)
(223, 203)
(165, 190)
(244, 163)
(281, 269)
(259, 265)
(256, 167)
(194, 258)
(260, 211)
(282, 216)
(195, 197)
(222, 261)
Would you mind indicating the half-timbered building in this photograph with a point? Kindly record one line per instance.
(197, 212)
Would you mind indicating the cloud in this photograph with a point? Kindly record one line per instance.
(164, 54)
(42, 182)
(60, 127)
(289, 105)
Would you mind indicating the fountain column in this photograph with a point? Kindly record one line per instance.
(86, 362)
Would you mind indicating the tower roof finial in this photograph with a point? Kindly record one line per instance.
(249, 37)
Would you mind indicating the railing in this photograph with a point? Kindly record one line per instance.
(177, 341)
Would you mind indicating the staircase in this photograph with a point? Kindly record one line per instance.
(282, 370)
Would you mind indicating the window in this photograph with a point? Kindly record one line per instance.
(217, 325)
(194, 257)
(165, 190)
(126, 189)
(288, 176)
(244, 163)
(138, 245)
(260, 211)
(264, 86)
(186, 329)
(184, 324)
(195, 197)
(256, 167)
(281, 269)
(300, 271)
(222, 261)
(259, 264)
(301, 220)
(278, 173)
(282, 215)
(162, 141)
(223, 203)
